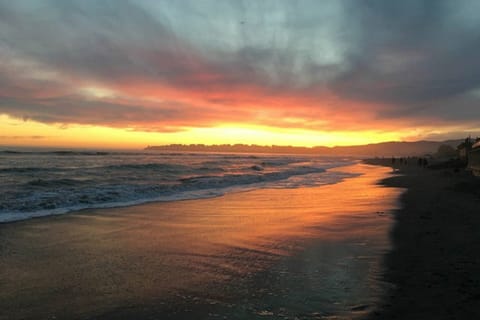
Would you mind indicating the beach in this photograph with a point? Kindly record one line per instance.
(241, 160)
(391, 243)
(434, 263)
(308, 253)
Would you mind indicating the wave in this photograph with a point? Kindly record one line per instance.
(280, 162)
(146, 166)
(205, 182)
(57, 182)
(58, 196)
(123, 153)
(59, 152)
(53, 184)
(25, 169)
(158, 167)
(79, 153)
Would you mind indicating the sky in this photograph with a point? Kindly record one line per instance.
(116, 73)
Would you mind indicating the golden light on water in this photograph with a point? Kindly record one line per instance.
(155, 249)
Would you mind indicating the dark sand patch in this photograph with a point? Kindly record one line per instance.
(435, 262)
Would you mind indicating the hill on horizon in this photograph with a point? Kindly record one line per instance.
(382, 149)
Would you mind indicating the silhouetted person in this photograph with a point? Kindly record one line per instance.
(393, 160)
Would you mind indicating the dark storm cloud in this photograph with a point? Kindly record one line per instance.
(414, 60)
(418, 58)
(88, 38)
(414, 52)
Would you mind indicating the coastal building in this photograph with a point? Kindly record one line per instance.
(474, 158)
(464, 148)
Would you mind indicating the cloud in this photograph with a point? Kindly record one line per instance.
(333, 64)
(451, 135)
(418, 55)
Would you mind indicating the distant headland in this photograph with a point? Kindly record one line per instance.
(378, 149)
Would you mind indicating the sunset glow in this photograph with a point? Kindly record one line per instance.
(239, 159)
(38, 134)
(130, 75)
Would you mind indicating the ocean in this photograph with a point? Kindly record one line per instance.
(40, 183)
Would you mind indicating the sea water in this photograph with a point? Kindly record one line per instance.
(40, 183)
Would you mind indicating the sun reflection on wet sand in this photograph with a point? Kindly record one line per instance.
(322, 242)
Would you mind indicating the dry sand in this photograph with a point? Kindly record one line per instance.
(435, 262)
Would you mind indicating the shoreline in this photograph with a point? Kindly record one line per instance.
(182, 195)
(434, 262)
(313, 252)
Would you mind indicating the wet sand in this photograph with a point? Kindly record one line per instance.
(434, 267)
(308, 253)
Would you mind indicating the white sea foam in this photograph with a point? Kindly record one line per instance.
(36, 185)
